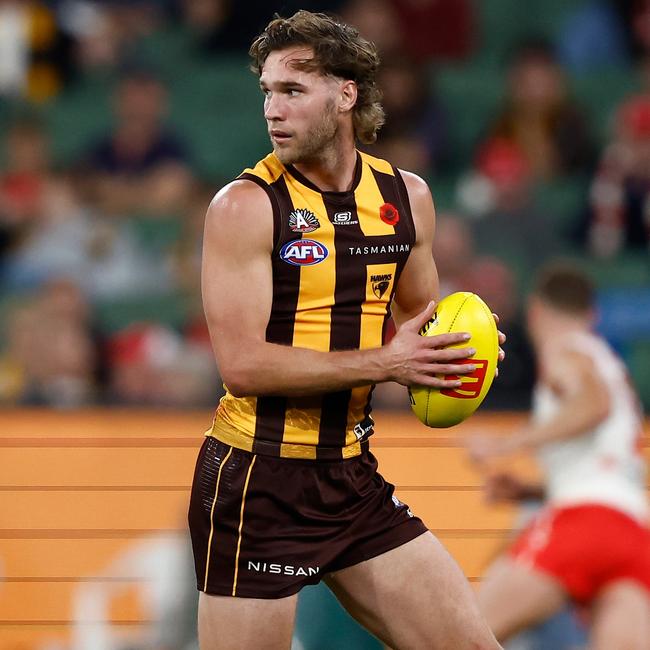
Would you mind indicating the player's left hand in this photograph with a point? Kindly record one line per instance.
(502, 340)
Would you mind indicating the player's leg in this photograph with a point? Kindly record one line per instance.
(227, 623)
(414, 596)
(622, 618)
(513, 597)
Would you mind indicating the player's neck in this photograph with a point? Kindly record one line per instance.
(333, 170)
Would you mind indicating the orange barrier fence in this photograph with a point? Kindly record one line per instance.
(78, 488)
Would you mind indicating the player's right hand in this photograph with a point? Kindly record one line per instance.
(415, 360)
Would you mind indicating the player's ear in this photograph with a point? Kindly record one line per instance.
(348, 96)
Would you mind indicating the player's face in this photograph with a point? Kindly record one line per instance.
(299, 106)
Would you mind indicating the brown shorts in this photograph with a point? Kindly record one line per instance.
(264, 527)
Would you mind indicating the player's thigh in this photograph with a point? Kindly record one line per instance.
(227, 623)
(513, 597)
(414, 596)
(622, 618)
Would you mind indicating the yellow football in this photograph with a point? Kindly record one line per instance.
(459, 312)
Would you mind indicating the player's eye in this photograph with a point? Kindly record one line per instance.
(293, 92)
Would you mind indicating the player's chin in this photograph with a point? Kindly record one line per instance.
(284, 153)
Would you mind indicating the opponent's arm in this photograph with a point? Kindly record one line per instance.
(506, 486)
(237, 294)
(584, 404)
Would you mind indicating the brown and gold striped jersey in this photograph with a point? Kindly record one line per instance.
(337, 257)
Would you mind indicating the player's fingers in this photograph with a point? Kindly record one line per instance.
(450, 368)
(502, 337)
(416, 323)
(437, 382)
(502, 354)
(496, 318)
(447, 354)
(442, 340)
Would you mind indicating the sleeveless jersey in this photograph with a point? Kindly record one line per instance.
(336, 260)
(604, 465)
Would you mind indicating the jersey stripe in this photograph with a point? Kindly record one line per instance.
(312, 331)
(271, 410)
(346, 321)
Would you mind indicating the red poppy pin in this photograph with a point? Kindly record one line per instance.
(388, 214)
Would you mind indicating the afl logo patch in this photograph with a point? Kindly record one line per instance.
(302, 220)
(303, 252)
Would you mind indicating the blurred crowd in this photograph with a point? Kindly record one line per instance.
(100, 249)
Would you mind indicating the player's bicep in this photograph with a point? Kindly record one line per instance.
(236, 278)
(418, 283)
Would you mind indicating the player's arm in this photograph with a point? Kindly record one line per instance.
(237, 294)
(506, 486)
(584, 402)
(419, 280)
(418, 283)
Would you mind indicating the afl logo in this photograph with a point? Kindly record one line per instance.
(303, 252)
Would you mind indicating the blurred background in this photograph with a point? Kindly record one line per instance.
(120, 119)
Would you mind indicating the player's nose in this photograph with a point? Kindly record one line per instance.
(274, 108)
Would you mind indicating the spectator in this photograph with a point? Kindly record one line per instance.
(376, 21)
(106, 34)
(34, 52)
(539, 118)
(152, 364)
(27, 182)
(507, 223)
(140, 167)
(453, 251)
(620, 192)
(49, 355)
(491, 279)
(436, 29)
(415, 133)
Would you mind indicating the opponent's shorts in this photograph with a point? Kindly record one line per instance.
(264, 527)
(586, 548)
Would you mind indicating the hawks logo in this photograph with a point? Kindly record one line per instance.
(303, 252)
(380, 283)
(302, 220)
(472, 382)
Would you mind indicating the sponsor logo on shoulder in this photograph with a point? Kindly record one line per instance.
(303, 252)
(380, 283)
(303, 220)
(344, 219)
(282, 569)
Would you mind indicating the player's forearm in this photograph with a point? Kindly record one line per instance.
(574, 419)
(270, 369)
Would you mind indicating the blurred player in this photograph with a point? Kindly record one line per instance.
(590, 543)
(303, 255)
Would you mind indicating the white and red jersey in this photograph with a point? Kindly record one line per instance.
(604, 465)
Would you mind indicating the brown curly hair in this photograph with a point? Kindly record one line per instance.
(339, 51)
